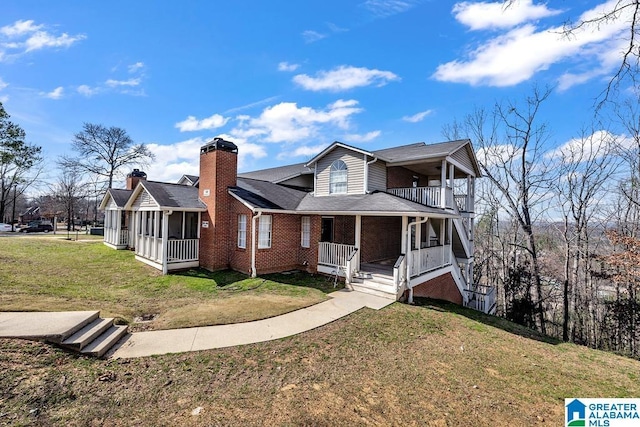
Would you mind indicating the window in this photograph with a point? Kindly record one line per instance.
(305, 232)
(242, 231)
(264, 232)
(338, 177)
(190, 225)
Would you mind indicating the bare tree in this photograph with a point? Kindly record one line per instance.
(69, 192)
(510, 144)
(102, 151)
(586, 166)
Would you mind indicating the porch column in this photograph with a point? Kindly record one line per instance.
(469, 193)
(165, 241)
(443, 184)
(358, 239)
(403, 244)
(118, 227)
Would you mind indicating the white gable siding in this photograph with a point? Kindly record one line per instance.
(143, 201)
(355, 166)
(111, 205)
(462, 156)
(378, 176)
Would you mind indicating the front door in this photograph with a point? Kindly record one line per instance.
(326, 231)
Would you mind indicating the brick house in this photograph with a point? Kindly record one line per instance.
(396, 222)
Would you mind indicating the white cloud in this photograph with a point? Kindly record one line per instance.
(486, 15)
(118, 83)
(516, 55)
(54, 94)
(591, 146)
(191, 124)
(252, 104)
(133, 68)
(418, 117)
(3, 84)
(285, 66)
(288, 123)
(307, 151)
(367, 137)
(87, 90)
(25, 36)
(20, 28)
(344, 78)
(384, 8)
(497, 154)
(311, 36)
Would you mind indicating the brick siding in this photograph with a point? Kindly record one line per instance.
(442, 288)
(400, 177)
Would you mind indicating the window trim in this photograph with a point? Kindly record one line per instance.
(337, 171)
(305, 232)
(242, 231)
(265, 231)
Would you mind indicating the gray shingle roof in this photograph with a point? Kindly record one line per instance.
(120, 196)
(278, 174)
(267, 195)
(174, 195)
(419, 150)
(374, 202)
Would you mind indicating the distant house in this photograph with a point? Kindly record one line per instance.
(396, 222)
(32, 213)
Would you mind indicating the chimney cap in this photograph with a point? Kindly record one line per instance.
(219, 144)
(137, 173)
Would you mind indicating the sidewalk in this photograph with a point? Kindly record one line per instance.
(342, 303)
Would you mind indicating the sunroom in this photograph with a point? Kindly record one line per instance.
(116, 227)
(165, 225)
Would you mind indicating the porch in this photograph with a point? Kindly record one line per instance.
(116, 233)
(167, 240)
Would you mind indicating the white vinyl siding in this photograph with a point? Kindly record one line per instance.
(378, 176)
(144, 200)
(305, 232)
(242, 231)
(264, 232)
(462, 156)
(355, 166)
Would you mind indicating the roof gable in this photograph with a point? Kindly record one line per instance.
(332, 147)
(168, 196)
(119, 197)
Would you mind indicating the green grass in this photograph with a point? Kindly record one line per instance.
(50, 273)
(434, 364)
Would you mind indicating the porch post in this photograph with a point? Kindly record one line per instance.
(469, 194)
(443, 184)
(118, 227)
(403, 241)
(165, 241)
(358, 238)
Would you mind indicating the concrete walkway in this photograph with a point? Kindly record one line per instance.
(342, 303)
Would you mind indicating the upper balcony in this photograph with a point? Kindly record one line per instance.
(435, 197)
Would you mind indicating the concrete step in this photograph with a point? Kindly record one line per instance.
(375, 277)
(373, 288)
(104, 342)
(84, 336)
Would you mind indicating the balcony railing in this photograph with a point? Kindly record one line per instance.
(430, 196)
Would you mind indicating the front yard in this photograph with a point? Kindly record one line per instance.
(50, 273)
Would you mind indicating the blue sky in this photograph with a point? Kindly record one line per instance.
(283, 79)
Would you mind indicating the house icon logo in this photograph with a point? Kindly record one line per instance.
(576, 413)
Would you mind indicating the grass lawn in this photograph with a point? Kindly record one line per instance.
(433, 365)
(50, 273)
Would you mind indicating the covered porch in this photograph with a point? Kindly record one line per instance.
(387, 250)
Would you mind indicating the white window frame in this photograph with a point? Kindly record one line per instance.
(265, 223)
(338, 177)
(242, 231)
(305, 232)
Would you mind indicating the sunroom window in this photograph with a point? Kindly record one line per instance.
(338, 178)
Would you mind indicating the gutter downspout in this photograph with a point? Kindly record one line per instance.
(254, 221)
(366, 173)
(407, 275)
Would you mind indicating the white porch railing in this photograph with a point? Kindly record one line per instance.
(124, 238)
(352, 265)
(428, 196)
(334, 254)
(399, 272)
(428, 259)
(113, 237)
(482, 299)
(461, 202)
(181, 250)
(149, 247)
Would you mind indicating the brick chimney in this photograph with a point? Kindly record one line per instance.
(134, 177)
(218, 172)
